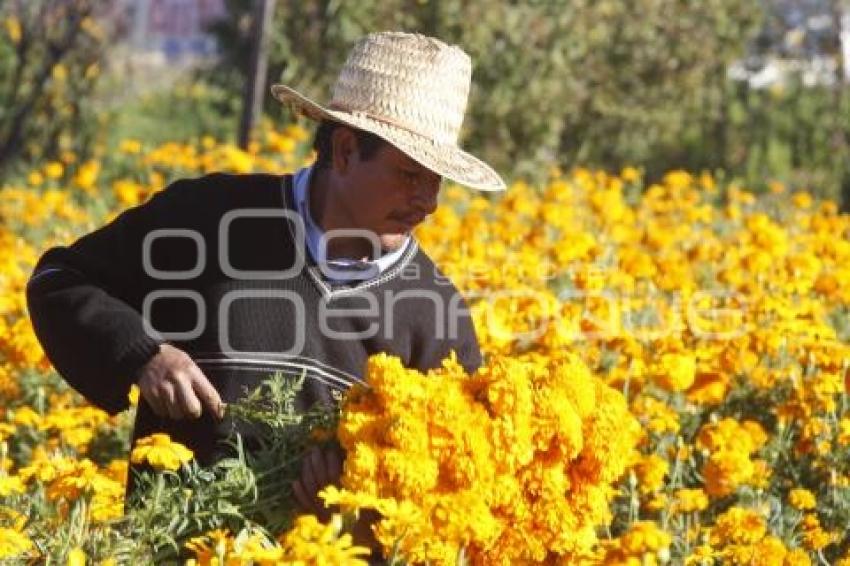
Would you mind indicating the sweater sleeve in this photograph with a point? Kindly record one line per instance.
(84, 303)
(458, 336)
(468, 349)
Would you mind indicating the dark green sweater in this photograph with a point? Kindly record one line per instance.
(218, 269)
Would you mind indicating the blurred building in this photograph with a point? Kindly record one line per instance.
(171, 30)
(803, 38)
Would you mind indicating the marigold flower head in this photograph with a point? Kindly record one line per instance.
(675, 371)
(690, 500)
(311, 542)
(527, 444)
(14, 543)
(738, 525)
(802, 499)
(161, 452)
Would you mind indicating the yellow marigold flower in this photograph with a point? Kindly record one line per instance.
(209, 546)
(133, 395)
(26, 416)
(81, 477)
(130, 146)
(655, 415)
(690, 500)
(770, 551)
(86, 176)
(643, 537)
(709, 388)
(505, 445)
(761, 474)
(818, 539)
(161, 452)
(107, 506)
(675, 371)
(35, 178)
(701, 555)
(678, 179)
(281, 143)
(814, 537)
(844, 432)
(14, 29)
(13, 543)
(728, 433)
(802, 199)
(297, 132)
(799, 557)
(311, 542)
(76, 557)
(77, 437)
(656, 503)
(54, 170)
(59, 72)
(802, 499)
(738, 525)
(725, 471)
(650, 471)
(128, 193)
(630, 174)
(10, 485)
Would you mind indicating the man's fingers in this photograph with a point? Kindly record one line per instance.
(333, 461)
(316, 461)
(308, 476)
(152, 399)
(306, 503)
(188, 401)
(169, 401)
(362, 529)
(207, 394)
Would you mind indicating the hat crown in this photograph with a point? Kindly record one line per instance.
(408, 80)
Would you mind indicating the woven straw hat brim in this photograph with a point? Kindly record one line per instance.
(448, 161)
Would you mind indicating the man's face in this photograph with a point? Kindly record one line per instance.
(388, 194)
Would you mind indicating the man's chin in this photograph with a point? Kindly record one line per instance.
(393, 242)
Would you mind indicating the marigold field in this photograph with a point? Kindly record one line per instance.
(664, 382)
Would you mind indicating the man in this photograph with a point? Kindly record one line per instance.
(217, 282)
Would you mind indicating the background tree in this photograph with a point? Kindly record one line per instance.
(51, 56)
(581, 82)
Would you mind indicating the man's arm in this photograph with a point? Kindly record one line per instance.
(83, 301)
(458, 335)
(78, 300)
(467, 346)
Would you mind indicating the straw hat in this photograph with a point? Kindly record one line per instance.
(410, 90)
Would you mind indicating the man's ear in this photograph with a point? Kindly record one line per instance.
(344, 144)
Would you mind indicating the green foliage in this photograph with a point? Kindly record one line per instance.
(249, 491)
(791, 132)
(595, 83)
(584, 82)
(189, 110)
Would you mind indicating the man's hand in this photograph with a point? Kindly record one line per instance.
(319, 469)
(175, 387)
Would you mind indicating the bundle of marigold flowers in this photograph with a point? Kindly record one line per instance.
(515, 462)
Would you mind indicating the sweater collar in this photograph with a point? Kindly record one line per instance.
(339, 269)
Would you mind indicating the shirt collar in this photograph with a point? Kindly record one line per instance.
(342, 269)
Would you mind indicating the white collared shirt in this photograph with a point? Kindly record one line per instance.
(337, 269)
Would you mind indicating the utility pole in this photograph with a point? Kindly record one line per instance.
(840, 11)
(255, 85)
